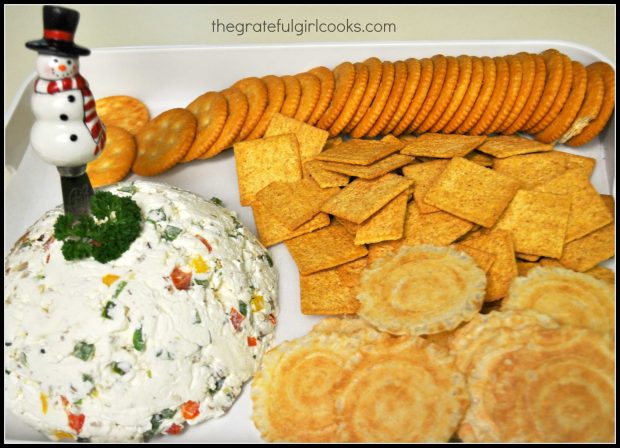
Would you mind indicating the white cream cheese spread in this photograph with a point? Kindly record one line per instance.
(164, 336)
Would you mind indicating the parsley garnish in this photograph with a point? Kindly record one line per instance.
(120, 223)
(84, 351)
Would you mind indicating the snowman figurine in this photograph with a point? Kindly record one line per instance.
(67, 132)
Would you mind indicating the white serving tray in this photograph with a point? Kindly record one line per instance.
(167, 77)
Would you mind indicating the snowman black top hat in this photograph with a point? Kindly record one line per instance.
(59, 27)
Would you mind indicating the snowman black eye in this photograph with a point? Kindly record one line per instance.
(55, 60)
(68, 62)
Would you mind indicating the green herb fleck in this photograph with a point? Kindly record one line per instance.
(79, 402)
(204, 282)
(218, 385)
(156, 421)
(156, 215)
(119, 224)
(138, 340)
(84, 351)
(197, 319)
(217, 201)
(119, 288)
(268, 258)
(170, 233)
(105, 312)
(243, 308)
(149, 374)
(39, 277)
(87, 378)
(116, 369)
(129, 189)
(23, 359)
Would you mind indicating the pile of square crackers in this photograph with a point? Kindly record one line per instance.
(511, 203)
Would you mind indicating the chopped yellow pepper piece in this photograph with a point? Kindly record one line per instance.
(199, 265)
(43, 398)
(257, 303)
(109, 279)
(63, 435)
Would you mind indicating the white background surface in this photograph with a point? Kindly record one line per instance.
(166, 78)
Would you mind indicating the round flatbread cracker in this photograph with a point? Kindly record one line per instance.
(310, 92)
(275, 98)
(569, 297)
(597, 125)
(533, 98)
(462, 85)
(164, 141)
(440, 68)
(402, 390)
(565, 118)
(326, 77)
(255, 91)
(344, 76)
(210, 110)
(554, 68)
(560, 98)
(400, 80)
(469, 342)
(555, 385)
(237, 111)
(292, 86)
(497, 98)
(424, 85)
(116, 159)
(378, 103)
(512, 92)
(375, 71)
(486, 91)
(475, 84)
(528, 68)
(414, 69)
(421, 290)
(591, 106)
(352, 103)
(294, 393)
(122, 111)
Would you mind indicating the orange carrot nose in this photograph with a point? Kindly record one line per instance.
(62, 68)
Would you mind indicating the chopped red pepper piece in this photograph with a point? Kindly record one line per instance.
(251, 341)
(272, 318)
(174, 429)
(189, 409)
(205, 242)
(180, 278)
(236, 318)
(76, 421)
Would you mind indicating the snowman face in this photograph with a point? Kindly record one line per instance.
(57, 67)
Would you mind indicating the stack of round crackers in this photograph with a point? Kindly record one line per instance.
(546, 95)
(346, 382)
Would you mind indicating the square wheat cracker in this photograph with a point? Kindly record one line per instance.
(439, 228)
(324, 178)
(503, 146)
(332, 291)
(480, 158)
(607, 275)
(504, 269)
(483, 259)
(387, 224)
(471, 192)
(262, 161)
(532, 170)
(362, 198)
(311, 139)
(588, 212)
(383, 166)
(537, 222)
(443, 146)
(423, 176)
(294, 203)
(360, 152)
(271, 231)
(324, 249)
(350, 226)
(586, 252)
